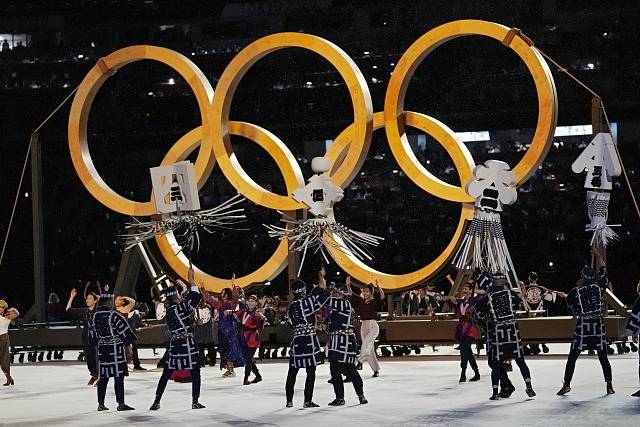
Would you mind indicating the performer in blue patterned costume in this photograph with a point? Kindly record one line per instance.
(183, 351)
(110, 332)
(305, 347)
(343, 348)
(633, 327)
(497, 310)
(586, 301)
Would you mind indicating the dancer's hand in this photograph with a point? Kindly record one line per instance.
(191, 275)
(73, 293)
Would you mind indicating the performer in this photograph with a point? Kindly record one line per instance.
(206, 335)
(7, 316)
(586, 301)
(633, 326)
(342, 345)
(84, 314)
(231, 354)
(183, 351)
(252, 320)
(110, 331)
(497, 310)
(305, 351)
(367, 306)
(536, 295)
(466, 331)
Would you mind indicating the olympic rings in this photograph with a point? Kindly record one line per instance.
(406, 66)
(360, 137)
(79, 115)
(347, 152)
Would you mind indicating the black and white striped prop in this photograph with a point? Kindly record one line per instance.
(187, 225)
(484, 246)
(321, 232)
(601, 163)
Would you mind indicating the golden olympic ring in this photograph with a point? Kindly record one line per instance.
(79, 116)
(347, 152)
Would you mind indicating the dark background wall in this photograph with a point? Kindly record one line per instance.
(469, 84)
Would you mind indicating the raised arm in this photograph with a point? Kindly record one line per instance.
(12, 314)
(380, 290)
(72, 295)
(347, 282)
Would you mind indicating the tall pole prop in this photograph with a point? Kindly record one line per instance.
(38, 228)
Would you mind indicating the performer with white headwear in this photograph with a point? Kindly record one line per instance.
(586, 301)
(110, 331)
(633, 326)
(305, 350)
(183, 351)
(497, 310)
(343, 347)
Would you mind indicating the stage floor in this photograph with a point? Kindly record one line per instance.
(408, 393)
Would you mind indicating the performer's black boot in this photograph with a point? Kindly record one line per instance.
(476, 376)
(495, 395)
(289, 405)
(310, 405)
(529, 389)
(507, 391)
(197, 405)
(636, 394)
(257, 379)
(463, 377)
(337, 402)
(564, 390)
(363, 400)
(359, 366)
(610, 389)
(376, 374)
(101, 407)
(155, 406)
(124, 407)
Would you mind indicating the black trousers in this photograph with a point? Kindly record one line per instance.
(164, 379)
(250, 364)
(308, 384)
(571, 365)
(466, 356)
(91, 358)
(350, 371)
(212, 351)
(119, 388)
(134, 356)
(498, 372)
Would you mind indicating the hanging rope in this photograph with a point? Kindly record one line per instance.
(606, 117)
(24, 168)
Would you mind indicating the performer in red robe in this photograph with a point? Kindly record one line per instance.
(252, 320)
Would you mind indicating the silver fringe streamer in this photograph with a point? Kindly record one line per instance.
(186, 225)
(312, 235)
(484, 246)
(598, 211)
